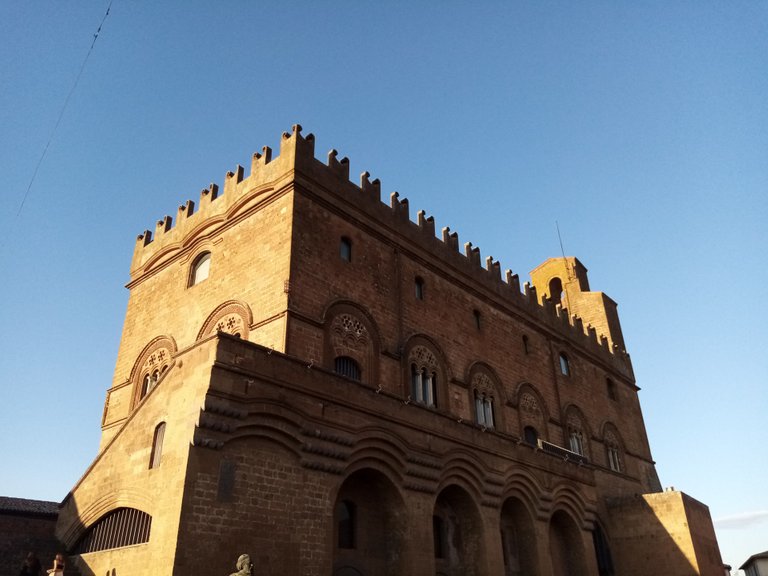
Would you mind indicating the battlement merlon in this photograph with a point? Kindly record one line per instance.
(297, 168)
(564, 282)
(267, 174)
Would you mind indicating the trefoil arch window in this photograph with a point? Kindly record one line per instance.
(484, 409)
(151, 379)
(201, 268)
(613, 451)
(576, 433)
(423, 382)
(576, 441)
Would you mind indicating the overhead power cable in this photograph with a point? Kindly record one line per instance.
(63, 109)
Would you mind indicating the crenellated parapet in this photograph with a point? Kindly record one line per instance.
(215, 207)
(297, 169)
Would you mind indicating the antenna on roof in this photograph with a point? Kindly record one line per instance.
(567, 268)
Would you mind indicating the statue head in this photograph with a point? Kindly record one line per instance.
(244, 564)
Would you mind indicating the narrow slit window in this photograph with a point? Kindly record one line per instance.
(345, 249)
(565, 365)
(419, 287)
(157, 446)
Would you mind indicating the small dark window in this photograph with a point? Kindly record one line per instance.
(526, 344)
(346, 366)
(565, 365)
(438, 533)
(200, 269)
(530, 435)
(611, 388)
(345, 249)
(346, 512)
(419, 286)
(157, 446)
(477, 319)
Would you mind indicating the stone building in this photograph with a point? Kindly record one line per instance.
(308, 376)
(26, 526)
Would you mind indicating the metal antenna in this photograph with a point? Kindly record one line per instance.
(567, 268)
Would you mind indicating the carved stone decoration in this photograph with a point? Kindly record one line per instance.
(231, 324)
(573, 422)
(348, 332)
(482, 383)
(157, 360)
(528, 403)
(243, 566)
(423, 358)
(231, 317)
(152, 362)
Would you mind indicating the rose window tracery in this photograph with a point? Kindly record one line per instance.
(423, 358)
(349, 332)
(529, 404)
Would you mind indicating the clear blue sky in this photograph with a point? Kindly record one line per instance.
(642, 127)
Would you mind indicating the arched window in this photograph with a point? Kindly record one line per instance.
(530, 435)
(419, 287)
(201, 267)
(565, 365)
(157, 446)
(346, 513)
(576, 441)
(610, 387)
(576, 433)
(121, 527)
(346, 366)
(526, 344)
(484, 409)
(478, 318)
(423, 383)
(613, 451)
(150, 380)
(345, 249)
(556, 290)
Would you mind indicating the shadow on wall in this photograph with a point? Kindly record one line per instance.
(667, 532)
(27, 526)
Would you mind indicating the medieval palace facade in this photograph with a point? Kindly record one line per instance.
(308, 376)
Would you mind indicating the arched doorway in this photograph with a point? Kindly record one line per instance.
(457, 534)
(566, 546)
(369, 523)
(518, 540)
